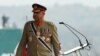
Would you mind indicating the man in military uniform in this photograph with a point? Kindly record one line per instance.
(45, 30)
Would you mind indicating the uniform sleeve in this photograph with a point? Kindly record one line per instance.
(55, 41)
(23, 42)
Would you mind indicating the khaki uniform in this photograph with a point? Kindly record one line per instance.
(47, 31)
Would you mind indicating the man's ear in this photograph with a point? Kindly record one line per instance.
(43, 12)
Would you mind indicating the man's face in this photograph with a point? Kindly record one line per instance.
(37, 16)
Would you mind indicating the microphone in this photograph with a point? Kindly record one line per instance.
(61, 22)
(77, 32)
(73, 33)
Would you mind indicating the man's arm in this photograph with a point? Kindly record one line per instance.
(23, 42)
(55, 41)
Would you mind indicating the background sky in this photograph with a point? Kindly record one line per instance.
(91, 3)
